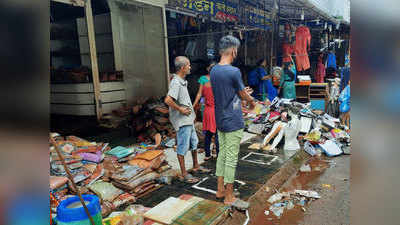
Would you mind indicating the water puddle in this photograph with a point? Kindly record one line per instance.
(300, 181)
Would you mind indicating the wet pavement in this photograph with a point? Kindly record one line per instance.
(330, 178)
(251, 176)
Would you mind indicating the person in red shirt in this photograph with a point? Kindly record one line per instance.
(209, 125)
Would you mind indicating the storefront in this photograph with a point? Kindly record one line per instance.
(102, 62)
(195, 27)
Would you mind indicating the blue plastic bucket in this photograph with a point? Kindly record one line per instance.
(71, 212)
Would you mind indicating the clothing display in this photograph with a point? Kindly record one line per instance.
(303, 41)
(191, 48)
(331, 60)
(291, 131)
(340, 51)
(344, 100)
(344, 77)
(287, 51)
(320, 72)
(278, 137)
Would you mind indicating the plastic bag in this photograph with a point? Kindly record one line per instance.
(135, 210)
(105, 191)
(344, 100)
(131, 219)
(331, 148)
(313, 136)
(309, 148)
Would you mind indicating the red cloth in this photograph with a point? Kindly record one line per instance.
(209, 111)
(303, 41)
(287, 50)
(320, 73)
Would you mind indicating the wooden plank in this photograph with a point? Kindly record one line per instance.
(83, 110)
(93, 57)
(71, 88)
(112, 86)
(168, 210)
(205, 212)
(86, 98)
(79, 3)
(86, 87)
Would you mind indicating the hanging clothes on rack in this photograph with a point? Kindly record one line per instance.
(344, 77)
(331, 60)
(288, 33)
(320, 72)
(288, 51)
(303, 42)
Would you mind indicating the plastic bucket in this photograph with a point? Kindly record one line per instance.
(71, 212)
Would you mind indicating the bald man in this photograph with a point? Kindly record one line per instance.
(182, 117)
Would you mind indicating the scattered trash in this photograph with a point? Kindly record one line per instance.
(331, 148)
(170, 143)
(290, 205)
(302, 208)
(317, 168)
(346, 150)
(266, 212)
(276, 210)
(309, 148)
(302, 202)
(267, 189)
(313, 136)
(308, 194)
(305, 168)
(274, 198)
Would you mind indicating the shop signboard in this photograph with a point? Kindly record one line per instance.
(223, 10)
(256, 17)
(227, 10)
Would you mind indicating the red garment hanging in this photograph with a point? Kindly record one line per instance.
(303, 41)
(288, 51)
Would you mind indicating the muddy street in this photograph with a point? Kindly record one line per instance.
(330, 178)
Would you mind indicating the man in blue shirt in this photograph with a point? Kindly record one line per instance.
(229, 91)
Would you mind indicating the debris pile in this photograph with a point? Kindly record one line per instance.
(318, 132)
(118, 176)
(289, 200)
